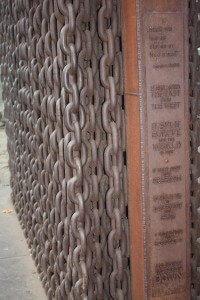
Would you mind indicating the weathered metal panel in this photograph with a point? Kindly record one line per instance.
(163, 64)
(194, 58)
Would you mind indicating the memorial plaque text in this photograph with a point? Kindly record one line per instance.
(165, 154)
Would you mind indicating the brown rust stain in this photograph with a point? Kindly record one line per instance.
(133, 147)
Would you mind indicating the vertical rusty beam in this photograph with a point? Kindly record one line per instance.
(156, 92)
(134, 146)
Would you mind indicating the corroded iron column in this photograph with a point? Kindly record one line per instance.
(156, 90)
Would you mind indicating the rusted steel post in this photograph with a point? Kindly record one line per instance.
(134, 146)
(156, 90)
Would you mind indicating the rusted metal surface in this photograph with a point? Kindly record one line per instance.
(131, 91)
(194, 27)
(168, 153)
(62, 76)
(164, 110)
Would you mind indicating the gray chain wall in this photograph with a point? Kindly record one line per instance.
(62, 74)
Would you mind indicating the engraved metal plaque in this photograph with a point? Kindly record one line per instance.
(164, 104)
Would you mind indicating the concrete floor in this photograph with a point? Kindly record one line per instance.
(18, 277)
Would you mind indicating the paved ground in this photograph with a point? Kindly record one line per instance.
(18, 276)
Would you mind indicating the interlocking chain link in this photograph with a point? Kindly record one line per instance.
(62, 74)
(194, 27)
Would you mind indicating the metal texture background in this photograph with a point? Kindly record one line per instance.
(62, 73)
(194, 27)
(153, 15)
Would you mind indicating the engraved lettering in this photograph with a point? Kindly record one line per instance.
(165, 175)
(164, 96)
(167, 135)
(168, 278)
(170, 237)
(166, 205)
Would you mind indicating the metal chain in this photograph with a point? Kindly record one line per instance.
(62, 74)
(111, 79)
